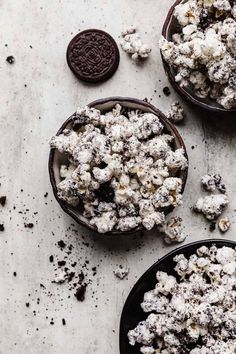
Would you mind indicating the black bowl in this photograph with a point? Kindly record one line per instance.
(132, 312)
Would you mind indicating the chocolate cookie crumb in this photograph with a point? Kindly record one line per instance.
(29, 225)
(2, 228)
(166, 91)
(45, 195)
(212, 227)
(61, 244)
(3, 200)
(61, 263)
(14, 274)
(27, 304)
(63, 322)
(80, 292)
(51, 259)
(10, 59)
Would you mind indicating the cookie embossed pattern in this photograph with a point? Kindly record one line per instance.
(93, 55)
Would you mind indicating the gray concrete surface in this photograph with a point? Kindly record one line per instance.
(37, 94)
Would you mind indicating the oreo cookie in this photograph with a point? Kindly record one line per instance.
(93, 55)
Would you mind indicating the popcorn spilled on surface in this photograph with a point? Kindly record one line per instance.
(131, 43)
(213, 205)
(203, 52)
(195, 311)
(175, 113)
(121, 169)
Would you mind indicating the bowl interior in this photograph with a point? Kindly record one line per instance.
(171, 27)
(57, 159)
(132, 312)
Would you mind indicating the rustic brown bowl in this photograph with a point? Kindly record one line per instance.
(106, 104)
(170, 27)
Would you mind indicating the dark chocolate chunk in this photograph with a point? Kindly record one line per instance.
(2, 228)
(51, 258)
(93, 55)
(63, 322)
(10, 59)
(3, 200)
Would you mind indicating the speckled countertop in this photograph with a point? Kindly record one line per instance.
(38, 92)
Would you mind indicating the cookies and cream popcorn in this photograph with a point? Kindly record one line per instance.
(121, 170)
(213, 182)
(203, 53)
(194, 311)
(175, 113)
(211, 206)
(172, 230)
(132, 44)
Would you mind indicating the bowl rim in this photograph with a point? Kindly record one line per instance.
(117, 99)
(172, 253)
(183, 92)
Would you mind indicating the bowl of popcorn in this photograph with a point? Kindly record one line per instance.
(184, 303)
(198, 47)
(118, 166)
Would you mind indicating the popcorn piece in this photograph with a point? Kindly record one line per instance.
(132, 44)
(202, 52)
(176, 112)
(224, 225)
(173, 230)
(193, 312)
(211, 206)
(121, 272)
(213, 182)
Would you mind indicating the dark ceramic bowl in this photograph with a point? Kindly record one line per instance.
(132, 312)
(56, 159)
(170, 27)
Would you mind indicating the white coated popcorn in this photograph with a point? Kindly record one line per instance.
(202, 53)
(176, 113)
(193, 312)
(132, 44)
(211, 206)
(212, 182)
(121, 168)
(173, 230)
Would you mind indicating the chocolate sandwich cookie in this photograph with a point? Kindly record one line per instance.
(93, 55)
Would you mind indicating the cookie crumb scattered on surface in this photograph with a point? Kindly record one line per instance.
(80, 292)
(166, 91)
(3, 200)
(10, 59)
(28, 225)
(2, 228)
